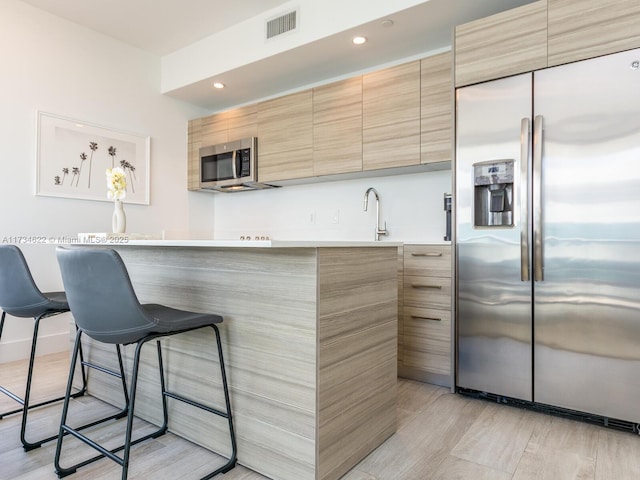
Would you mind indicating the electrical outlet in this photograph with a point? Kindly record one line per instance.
(335, 218)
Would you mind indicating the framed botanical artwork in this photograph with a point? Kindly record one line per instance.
(73, 157)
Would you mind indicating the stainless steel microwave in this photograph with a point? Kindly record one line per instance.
(231, 166)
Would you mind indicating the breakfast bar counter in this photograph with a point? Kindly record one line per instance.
(309, 338)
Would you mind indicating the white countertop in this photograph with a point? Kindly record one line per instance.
(148, 241)
(123, 240)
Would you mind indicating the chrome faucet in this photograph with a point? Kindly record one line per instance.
(379, 231)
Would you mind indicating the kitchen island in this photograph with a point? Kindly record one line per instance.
(309, 338)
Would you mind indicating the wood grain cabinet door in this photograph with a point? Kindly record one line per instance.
(436, 107)
(242, 123)
(581, 29)
(193, 154)
(391, 117)
(428, 339)
(337, 127)
(508, 43)
(285, 137)
(205, 131)
(214, 129)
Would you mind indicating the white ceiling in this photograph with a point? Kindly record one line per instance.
(165, 26)
(157, 26)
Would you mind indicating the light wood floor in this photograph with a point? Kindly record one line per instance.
(440, 436)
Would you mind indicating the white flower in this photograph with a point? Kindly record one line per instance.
(116, 184)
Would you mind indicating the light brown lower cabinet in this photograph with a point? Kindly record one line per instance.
(424, 328)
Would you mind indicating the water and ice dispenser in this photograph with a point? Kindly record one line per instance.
(493, 193)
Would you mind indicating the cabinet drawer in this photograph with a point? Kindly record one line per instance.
(431, 260)
(427, 342)
(430, 326)
(421, 291)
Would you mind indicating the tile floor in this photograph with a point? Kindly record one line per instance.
(440, 436)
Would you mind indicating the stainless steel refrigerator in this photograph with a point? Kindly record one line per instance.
(548, 236)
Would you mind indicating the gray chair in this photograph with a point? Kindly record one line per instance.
(106, 308)
(20, 297)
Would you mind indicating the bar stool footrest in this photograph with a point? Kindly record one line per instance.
(111, 454)
(193, 403)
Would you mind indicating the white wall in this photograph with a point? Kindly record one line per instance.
(53, 65)
(412, 206)
(56, 66)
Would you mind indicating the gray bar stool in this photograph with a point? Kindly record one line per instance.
(20, 297)
(106, 308)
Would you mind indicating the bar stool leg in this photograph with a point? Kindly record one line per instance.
(132, 399)
(2, 389)
(165, 411)
(65, 409)
(27, 445)
(232, 460)
(25, 401)
(26, 406)
(126, 447)
(66, 430)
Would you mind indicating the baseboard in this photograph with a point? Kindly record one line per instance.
(20, 349)
(413, 373)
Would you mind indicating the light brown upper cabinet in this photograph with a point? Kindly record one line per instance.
(285, 137)
(580, 29)
(436, 108)
(204, 131)
(510, 42)
(396, 117)
(337, 127)
(242, 123)
(193, 152)
(215, 129)
(391, 117)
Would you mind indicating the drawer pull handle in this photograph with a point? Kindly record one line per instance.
(436, 287)
(417, 317)
(426, 254)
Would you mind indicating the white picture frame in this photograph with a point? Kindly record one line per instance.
(72, 157)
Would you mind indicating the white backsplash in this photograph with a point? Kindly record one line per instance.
(411, 204)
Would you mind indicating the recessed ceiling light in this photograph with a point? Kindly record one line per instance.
(359, 40)
(218, 85)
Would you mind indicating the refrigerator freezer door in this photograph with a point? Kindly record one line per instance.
(587, 308)
(494, 304)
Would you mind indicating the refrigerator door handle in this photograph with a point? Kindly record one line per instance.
(525, 147)
(538, 131)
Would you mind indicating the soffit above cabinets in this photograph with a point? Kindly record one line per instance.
(202, 41)
(417, 31)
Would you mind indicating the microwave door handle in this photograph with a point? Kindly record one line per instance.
(233, 164)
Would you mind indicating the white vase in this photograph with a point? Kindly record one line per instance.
(119, 219)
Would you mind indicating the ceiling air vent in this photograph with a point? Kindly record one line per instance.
(282, 24)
